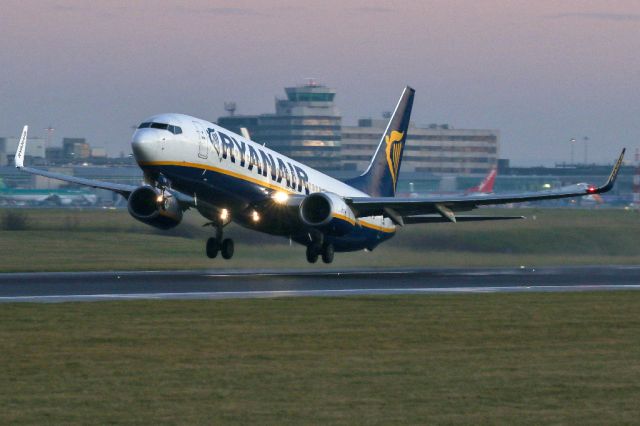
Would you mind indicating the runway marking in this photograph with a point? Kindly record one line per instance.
(315, 293)
(305, 273)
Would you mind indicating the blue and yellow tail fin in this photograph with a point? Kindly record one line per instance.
(381, 177)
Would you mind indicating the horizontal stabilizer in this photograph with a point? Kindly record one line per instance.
(469, 218)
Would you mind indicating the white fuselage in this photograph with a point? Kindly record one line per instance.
(217, 152)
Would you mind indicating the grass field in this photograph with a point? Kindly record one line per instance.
(472, 359)
(68, 239)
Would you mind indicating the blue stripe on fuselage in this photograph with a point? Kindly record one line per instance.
(238, 194)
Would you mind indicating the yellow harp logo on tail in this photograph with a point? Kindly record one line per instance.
(394, 153)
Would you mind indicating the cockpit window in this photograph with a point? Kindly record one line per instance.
(176, 130)
(159, 126)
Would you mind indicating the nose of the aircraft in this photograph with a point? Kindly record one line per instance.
(144, 144)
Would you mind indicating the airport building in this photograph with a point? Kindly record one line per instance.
(35, 150)
(437, 149)
(306, 126)
(75, 148)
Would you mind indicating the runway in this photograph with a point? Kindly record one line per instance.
(237, 284)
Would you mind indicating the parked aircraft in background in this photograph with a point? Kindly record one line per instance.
(192, 163)
(46, 197)
(593, 198)
(486, 186)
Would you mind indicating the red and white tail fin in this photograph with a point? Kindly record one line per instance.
(486, 186)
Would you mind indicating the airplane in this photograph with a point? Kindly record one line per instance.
(486, 186)
(41, 197)
(192, 163)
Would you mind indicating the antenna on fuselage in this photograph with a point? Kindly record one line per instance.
(245, 133)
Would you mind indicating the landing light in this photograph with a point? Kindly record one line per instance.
(224, 214)
(160, 198)
(280, 197)
(255, 216)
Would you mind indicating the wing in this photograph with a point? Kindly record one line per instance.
(125, 190)
(426, 218)
(399, 209)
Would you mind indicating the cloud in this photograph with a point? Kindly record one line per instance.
(615, 17)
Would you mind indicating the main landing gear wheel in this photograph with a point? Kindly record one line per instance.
(217, 244)
(213, 246)
(313, 251)
(227, 248)
(327, 253)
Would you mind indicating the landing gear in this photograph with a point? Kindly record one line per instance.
(326, 251)
(217, 244)
(313, 251)
(227, 248)
(213, 246)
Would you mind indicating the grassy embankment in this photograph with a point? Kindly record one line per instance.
(472, 359)
(96, 239)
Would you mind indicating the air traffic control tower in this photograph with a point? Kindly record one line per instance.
(305, 127)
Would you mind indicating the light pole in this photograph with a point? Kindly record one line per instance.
(586, 149)
(573, 143)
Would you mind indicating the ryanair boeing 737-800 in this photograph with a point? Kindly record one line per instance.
(192, 163)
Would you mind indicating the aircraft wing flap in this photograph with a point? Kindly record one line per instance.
(411, 220)
(436, 204)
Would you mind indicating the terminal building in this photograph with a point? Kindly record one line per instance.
(306, 126)
(35, 150)
(437, 149)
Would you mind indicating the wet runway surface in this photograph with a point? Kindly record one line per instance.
(226, 284)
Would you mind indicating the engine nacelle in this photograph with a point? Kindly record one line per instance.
(148, 205)
(328, 212)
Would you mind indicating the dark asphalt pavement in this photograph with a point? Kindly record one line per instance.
(220, 284)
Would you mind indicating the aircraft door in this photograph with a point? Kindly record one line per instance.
(203, 144)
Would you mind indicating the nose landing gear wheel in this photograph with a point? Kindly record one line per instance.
(313, 251)
(327, 253)
(213, 246)
(227, 248)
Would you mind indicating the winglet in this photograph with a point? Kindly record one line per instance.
(612, 177)
(22, 146)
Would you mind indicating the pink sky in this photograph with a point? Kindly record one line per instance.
(539, 71)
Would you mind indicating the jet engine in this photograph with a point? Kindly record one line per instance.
(148, 205)
(328, 212)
